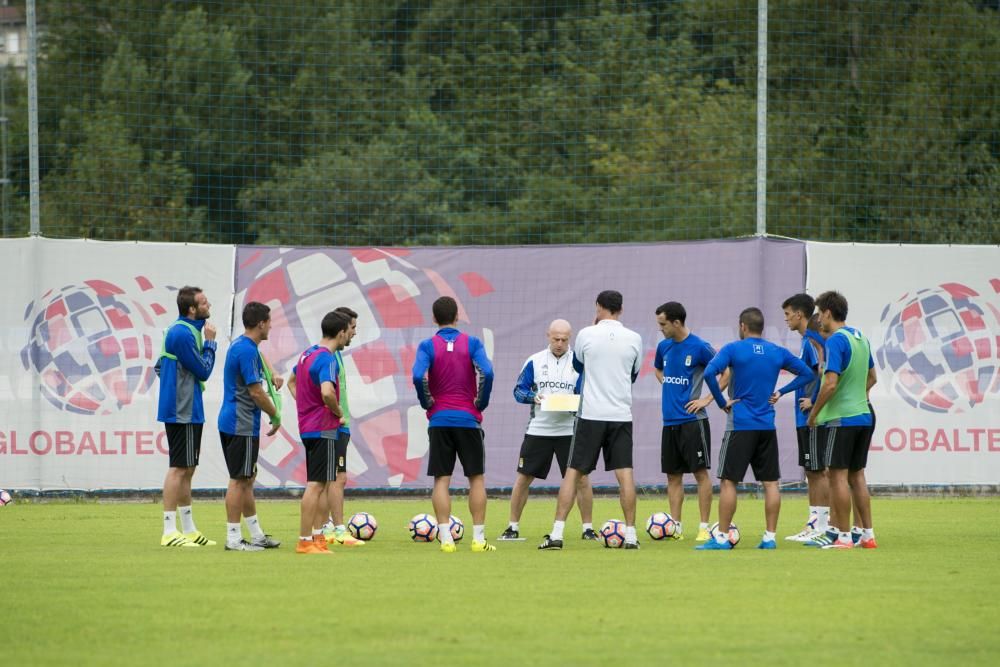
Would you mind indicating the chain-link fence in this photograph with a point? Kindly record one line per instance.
(350, 122)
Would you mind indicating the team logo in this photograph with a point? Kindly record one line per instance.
(941, 347)
(687, 360)
(93, 345)
(758, 348)
(392, 295)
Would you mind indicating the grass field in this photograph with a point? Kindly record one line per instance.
(86, 583)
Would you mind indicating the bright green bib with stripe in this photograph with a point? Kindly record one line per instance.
(851, 397)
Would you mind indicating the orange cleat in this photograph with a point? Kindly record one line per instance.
(868, 544)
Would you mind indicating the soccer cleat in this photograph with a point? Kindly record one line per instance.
(329, 532)
(767, 544)
(344, 538)
(549, 544)
(856, 536)
(588, 534)
(631, 545)
(321, 543)
(819, 540)
(509, 534)
(482, 547)
(714, 545)
(243, 545)
(703, 535)
(176, 539)
(309, 547)
(449, 548)
(839, 545)
(802, 536)
(266, 542)
(868, 543)
(677, 537)
(198, 538)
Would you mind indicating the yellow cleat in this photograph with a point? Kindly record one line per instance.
(175, 539)
(344, 538)
(703, 535)
(482, 547)
(449, 548)
(198, 538)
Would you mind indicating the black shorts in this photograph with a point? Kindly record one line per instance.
(447, 442)
(537, 451)
(755, 449)
(320, 459)
(847, 447)
(684, 447)
(812, 448)
(591, 438)
(241, 453)
(184, 443)
(340, 451)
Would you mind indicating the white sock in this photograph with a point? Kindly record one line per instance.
(557, 530)
(822, 518)
(868, 534)
(630, 535)
(813, 511)
(514, 526)
(444, 533)
(478, 533)
(588, 526)
(253, 523)
(317, 531)
(768, 536)
(703, 525)
(303, 538)
(233, 534)
(340, 528)
(721, 537)
(844, 537)
(187, 519)
(679, 530)
(169, 523)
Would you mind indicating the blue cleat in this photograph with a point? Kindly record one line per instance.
(767, 544)
(713, 545)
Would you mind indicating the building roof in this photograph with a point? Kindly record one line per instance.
(10, 15)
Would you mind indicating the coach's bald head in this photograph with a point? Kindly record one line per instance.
(559, 334)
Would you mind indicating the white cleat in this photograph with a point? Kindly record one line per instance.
(804, 535)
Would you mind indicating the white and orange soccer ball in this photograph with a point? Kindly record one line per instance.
(423, 528)
(661, 525)
(613, 533)
(362, 526)
(5, 498)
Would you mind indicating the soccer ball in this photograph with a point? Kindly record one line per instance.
(613, 533)
(661, 525)
(457, 528)
(734, 532)
(423, 528)
(362, 526)
(5, 498)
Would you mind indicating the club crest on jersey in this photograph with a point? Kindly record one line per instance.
(687, 360)
(758, 348)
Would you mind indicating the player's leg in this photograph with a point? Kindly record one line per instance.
(518, 498)
(704, 483)
(477, 508)
(470, 445)
(440, 465)
(675, 494)
(859, 487)
(185, 510)
(585, 501)
(618, 457)
(307, 517)
(839, 444)
(672, 465)
(767, 471)
(533, 462)
(734, 459)
(626, 498)
(699, 438)
(236, 452)
(173, 485)
(258, 537)
(585, 447)
(338, 534)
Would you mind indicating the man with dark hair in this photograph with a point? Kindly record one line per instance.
(843, 410)
(315, 386)
(453, 377)
(679, 365)
(750, 439)
(609, 356)
(335, 529)
(798, 310)
(186, 361)
(548, 373)
(244, 397)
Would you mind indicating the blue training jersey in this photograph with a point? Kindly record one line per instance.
(755, 365)
(683, 367)
(810, 358)
(239, 414)
(838, 356)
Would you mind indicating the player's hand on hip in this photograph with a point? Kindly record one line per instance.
(730, 403)
(775, 397)
(811, 422)
(805, 404)
(209, 331)
(279, 382)
(697, 405)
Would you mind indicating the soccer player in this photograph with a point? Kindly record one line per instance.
(679, 366)
(750, 439)
(186, 361)
(843, 410)
(609, 355)
(798, 310)
(332, 505)
(548, 373)
(453, 378)
(243, 399)
(315, 386)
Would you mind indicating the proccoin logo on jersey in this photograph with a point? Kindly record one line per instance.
(939, 347)
(667, 379)
(93, 344)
